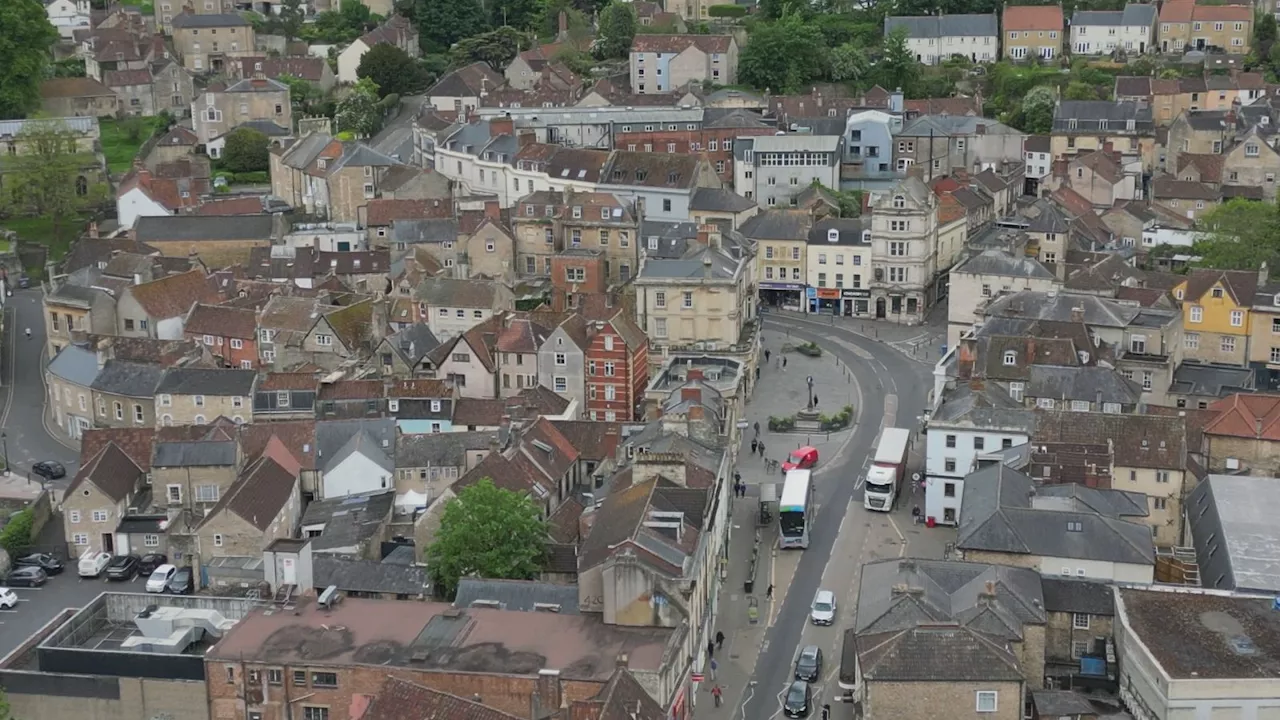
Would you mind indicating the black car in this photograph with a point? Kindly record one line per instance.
(49, 470)
(181, 582)
(809, 664)
(150, 562)
(27, 576)
(797, 704)
(123, 567)
(50, 564)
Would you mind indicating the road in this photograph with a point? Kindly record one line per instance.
(893, 391)
(22, 388)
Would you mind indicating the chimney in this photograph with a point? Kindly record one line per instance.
(622, 661)
(1257, 427)
(491, 210)
(1263, 274)
(527, 137)
(989, 589)
(696, 412)
(93, 230)
(690, 393)
(1077, 314)
(1031, 351)
(695, 374)
(549, 689)
(562, 29)
(502, 125)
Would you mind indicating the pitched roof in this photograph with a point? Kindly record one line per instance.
(259, 494)
(310, 69)
(936, 653)
(1032, 17)
(938, 26)
(111, 471)
(777, 225)
(1244, 415)
(1150, 441)
(126, 78)
(1077, 596)
(222, 321)
(195, 227)
(130, 379)
(402, 700)
(73, 87)
(189, 20)
(467, 81)
(135, 442)
(675, 44)
(207, 381)
(1240, 285)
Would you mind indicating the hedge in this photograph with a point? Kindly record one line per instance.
(727, 11)
(16, 536)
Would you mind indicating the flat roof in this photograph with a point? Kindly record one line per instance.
(438, 636)
(1205, 635)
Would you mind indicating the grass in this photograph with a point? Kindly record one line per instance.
(40, 231)
(118, 147)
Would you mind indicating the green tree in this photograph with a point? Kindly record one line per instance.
(1037, 110)
(519, 14)
(15, 538)
(246, 151)
(441, 23)
(53, 178)
(848, 63)
(360, 112)
(496, 47)
(302, 93)
(617, 30)
(898, 67)
(1264, 33)
(391, 69)
(784, 56)
(292, 14)
(1079, 91)
(25, 39)
(1239, 235)
(487, 532)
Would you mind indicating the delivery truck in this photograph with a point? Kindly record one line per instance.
(884, 477)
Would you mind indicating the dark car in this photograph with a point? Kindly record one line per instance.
(150, 562)
(123, 567)
(27, 577)
(49, 470)
(181, 582)
(50, 564)
(809, 664)
(798, 700)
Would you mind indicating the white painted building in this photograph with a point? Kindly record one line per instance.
(979, 278)
(135, 203)
(68, 16)
(933, 39)
(1102, 32)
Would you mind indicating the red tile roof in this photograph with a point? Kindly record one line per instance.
(1177, 11)
(1246, 416)
(222, 321)
(174, 295)
(251, 205)
(135, 442)
(1032, 17)
(1222, 13)
(384, 212)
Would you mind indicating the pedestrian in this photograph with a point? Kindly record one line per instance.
(715, 669)
(815, 399)
(757, 372)
(757, 426)
(711, 649)
(716, 693)
(766, 356)
(761, 449)
(784, 362)
(719, 639)
(754, 446)
(28, 333)
(768, 593)
(826, 711)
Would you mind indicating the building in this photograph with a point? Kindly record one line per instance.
(1194, 651)
(904, 247)
(1227, 518)
(172, 188)
(257, 98)
(944, 144)
(158, 309)
(1242, 435)
(68, 16)
(1083, 125)
(99, 496)
(775, 169)
(662, 63)
(452, 306)
(712, 137)
(124, 394)
(1216, 308)
(1032, 31)
(1002, 521)
(69, 308)
(617, 356)
(933, 39)
(80, 96)
(549, 222)
(1080, 617)
(211, 43)
(975, 280)
(1103, 32)
(397, 31)
(781, 239)
(1188, 25)
(230, 333)
(461, 91)
(838, 267)
(314, 70)
(219, 241)
(196, 396)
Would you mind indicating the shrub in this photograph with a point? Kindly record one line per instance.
(839, 421)
(16, 536)
(782, 424)
(727, 11)
(810, 349)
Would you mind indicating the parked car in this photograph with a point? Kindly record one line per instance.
(182, 582)
(26, 577)
(44, 561)
(151, 561)
(8, 598)
(49, 470)
(160, 578)
(823, 611)
(93, 563)
(809, 663)
(24, 281)
(123, 567)
(799, 699)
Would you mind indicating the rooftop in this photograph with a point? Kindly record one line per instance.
(1236, 539)
(1205, 636)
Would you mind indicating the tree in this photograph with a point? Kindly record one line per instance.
(1077, 90)
(302, 93)
(290, 19)
(441, 23)
(24, 55)
(1037, 110)
(617, 30)
(246, 151)
(496, 47)
(15, 538)
(360, 113)
(783, 57)
(898, 67)
(487, 532)
(848, 63)
(51, 178)
(391, 69)
(1239, 235)
(518, 14)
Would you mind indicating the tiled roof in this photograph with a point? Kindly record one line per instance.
(134, 442)
(384, 212)
(467, 81)
(679, 43)
(251, 205)
(1032, 17)
(126, 78)
(936, 654)
(478, 412)
(1177, 11)
(1241, 285)
(222, 321)
(299, 436)
(173, 296)
(402, 700)
(259, 495)
(1209, 166)
(1246, 416)
(1222, 13)
(353, 324)
(111, 471)
(1167, 186)
(207, 381)
(74, 87)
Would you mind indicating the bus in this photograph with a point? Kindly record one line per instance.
(795, 509)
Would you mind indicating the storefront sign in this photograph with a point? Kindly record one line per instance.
(828, 293)
(855, 293)
(781, 286)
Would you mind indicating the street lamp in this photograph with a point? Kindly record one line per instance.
(4, 439)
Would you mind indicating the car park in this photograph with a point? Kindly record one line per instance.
(809, 663)
(49, 470)
(123, 567)
(26, 577)
(92, 564)
(8, 598)
(798, 701)
(151, 561)
(160, 577)
(182, 582)
(44, 561)
(823, 610)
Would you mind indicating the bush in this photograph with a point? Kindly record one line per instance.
(810, 349)
(782, 424)
(839, 421)
(727, 11)
(16, 536)
(247, 178)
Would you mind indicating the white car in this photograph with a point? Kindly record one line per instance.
(823, 611)
(8, 598)
(160, 577)
(93, 563)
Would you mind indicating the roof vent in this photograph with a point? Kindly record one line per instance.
(1243, 645)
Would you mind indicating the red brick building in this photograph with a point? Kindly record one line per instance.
(230, 333)
(713, 141)
(617, 368)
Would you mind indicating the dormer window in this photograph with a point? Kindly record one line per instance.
(577, 212)
(833, 235)
(1216, 292)
(1010, 358)
(899, 201)
(604, 213)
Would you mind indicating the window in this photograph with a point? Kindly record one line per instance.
(80, 539)
(560, 359)
(151, 541)
(660, 327)
(986, 701)
(608, 369)
(217, 540)
(119, 411)
(324, 679)
(1010, 357)
(1237, 318)
(1159, 503)
(74, 516)
(1197, 314)
(237, 344)
(1046, 403)
(207, 493)
(199, 401)
(174, 493)
(561, 383)
(137, 413)
(275, 676)
(951, 441)
(687, 299)
(979, 443)
(1015, 391)
(1080, 621)
(1191, 341)
(1228, 343)
(310, 712)
(300, 678)
(660, 299)
(1079, 648)
(101, 516)
(1138, 344)
(949, 490)
(949, 465)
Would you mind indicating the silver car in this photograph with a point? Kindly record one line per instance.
(823, 610)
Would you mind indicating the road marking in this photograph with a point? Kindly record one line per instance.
(901, 538)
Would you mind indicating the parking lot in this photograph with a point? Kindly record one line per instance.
(36, 606)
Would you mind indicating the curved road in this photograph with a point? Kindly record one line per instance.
(22, 389)
(880, 372)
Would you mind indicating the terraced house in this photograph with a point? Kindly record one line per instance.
(662, 63)
(933, 39)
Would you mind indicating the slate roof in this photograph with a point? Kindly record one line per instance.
(1003, 511)
(936, 654)
(130, 379)
(332, 435)
(198, 453)
(111, 471)
(619, 523)
(348, 520)
(669, 44)
(441, 449)
(207, 381)
(258, 495)
(365, 444)
(777, 225)
(1075, 595)
(467, 81)
(516, 595)
(1090, 384)
(1236, 540)
(939, 26)
(135, 442)
(198, 227)
(452, 292)
(189, 20)
(718, 200)
(222, 321)
(360, 575)
(75, 365)
(1000, 262)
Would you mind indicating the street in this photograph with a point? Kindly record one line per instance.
(888, 390)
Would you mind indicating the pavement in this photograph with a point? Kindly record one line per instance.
(884, 370)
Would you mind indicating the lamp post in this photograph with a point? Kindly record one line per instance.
(4, 439)
(809, 399)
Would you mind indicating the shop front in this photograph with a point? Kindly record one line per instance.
(825, 300)
(855, 302)
(787, 296)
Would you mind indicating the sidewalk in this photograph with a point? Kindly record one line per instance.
(923, 343)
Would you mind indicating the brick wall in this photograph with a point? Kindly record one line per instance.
(952, 700)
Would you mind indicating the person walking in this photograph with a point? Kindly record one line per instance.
(768, 593)
(784, 362)
(716, 693)
(815, 399)
(719, 640)
(757, 427)
(28, 333)
(754, 445)
(766, 356)
(711, 649)
(762, 449)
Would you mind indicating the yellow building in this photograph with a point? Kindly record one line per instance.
(1216, 309)
(781, 238)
